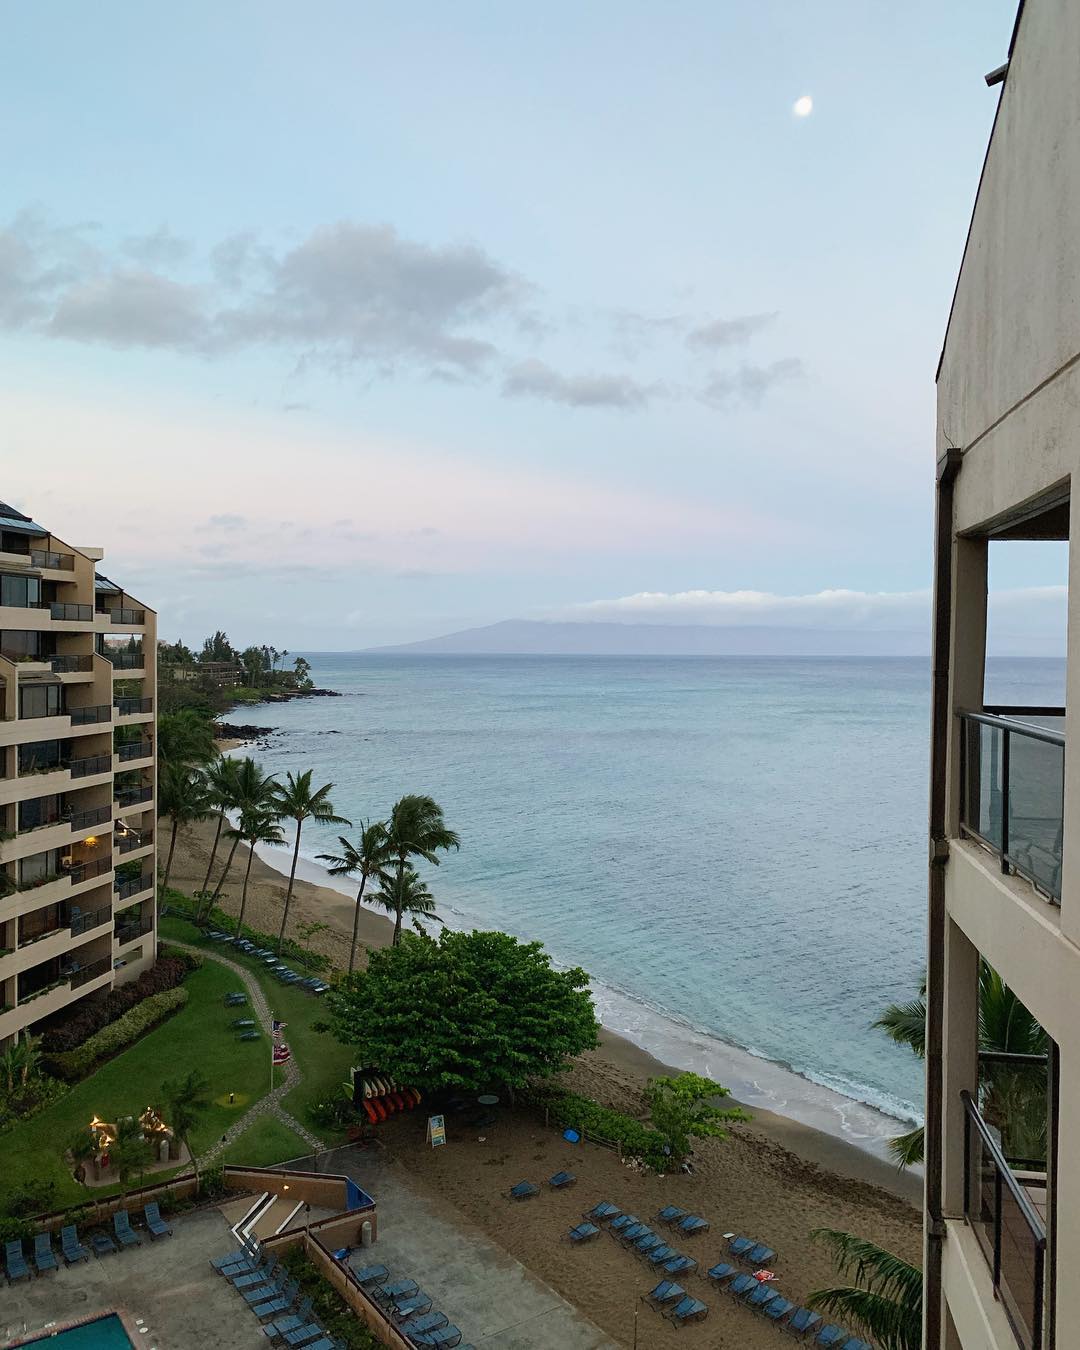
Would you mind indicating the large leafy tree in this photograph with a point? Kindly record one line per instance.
(254, 793)
(464, 1011)
(684, 1108)
(183, 799)
(187, 1100)
(885, 1299)
(417, 829)
(368, 860)
(1013, 1099)
(299, 801)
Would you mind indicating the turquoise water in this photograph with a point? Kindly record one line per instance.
(104, 1333)
(733, 848)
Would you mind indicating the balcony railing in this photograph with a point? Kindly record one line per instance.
(125, 660)
(96, 815)
(71, 665)
(128, 932)
(133, 885)
(81, 975)
(127, 706)
(1007, 1226)
(43, 557)
(81, 717)
(132, 796)
(135, 750)
(1012, 771)
(133, 616)
(128, 843)
(71, 613)
(86, 871)
(83, 922)
(91, 764)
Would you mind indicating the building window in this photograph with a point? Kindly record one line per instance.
(40, 811)
(20, 592)
(40, 867)
(40, 756)
(16, 644)
(41, 700)
(48, 919)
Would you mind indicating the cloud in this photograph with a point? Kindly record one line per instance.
(729, 332)
(749, 384)
(132, 309)
(227, 521)
(158, 248)
(536, 379)
(829, 608)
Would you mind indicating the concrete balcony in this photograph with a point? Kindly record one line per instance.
(133, 844)
(87, 981)
(132, 710)
(134, 755)
(91, 924)
(126, 893)
(126, 800)
(119, 618)
(127, 933)
(61, 834)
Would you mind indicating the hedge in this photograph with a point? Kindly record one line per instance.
(75, 1026)
(636, 1140)
(72, 1065)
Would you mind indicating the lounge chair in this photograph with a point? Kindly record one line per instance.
(247, 1265)
(242, 1023)
(235, 1000)
(302, 1335)
(389, 1293)
(279, 1304)
(679, 1265)
(760, 1255)
(779, 1307)
(410, 1307)
(645, 1245)
(686, 1310)
(70, 1245)
(671, 1214)
(803, 1320)
(445, 1337)
(524, 1190)
(154, 1222)
(630, 1235)
(44, 1256)
(604, 1211)
(741, 1285)
(855, 1344)
(660, 1254)
(764, 1293)
(17, 1269)
(692, 1224)
(262, 1293)
(124, 1231)
(420, 1326)
(263, 1275)
(249, 1251)
(622, 1223)
(830, 1336)
(584, 1232)
(103, 1244)
(719, 1273)
(300, 1318)
(561, 1179)
(370, 1274)
(249, 1036)
(739, 1246)
(667, 1291)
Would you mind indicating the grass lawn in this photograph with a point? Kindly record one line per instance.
(324, 1062)
(265, 1143)
(198, 1037)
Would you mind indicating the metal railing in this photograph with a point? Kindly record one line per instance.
(96, 815)
(132, 796)
(71, 613)
(128, 843)
(90, 764)
(128, 932)
(135, 616)
(86, 871)
(84, 922)
(70, 665)
(44, 557)
(133, 885)
(135, 750)
(1007, 1227)
(127, 706)
(125, 660)
(84, 974)
(81, 717)
(1012, 774)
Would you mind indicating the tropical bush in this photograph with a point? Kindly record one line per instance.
(568, 1110)
(341, 1323)
(90, 1016)
(71, 1065)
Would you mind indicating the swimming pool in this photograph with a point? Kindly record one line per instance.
(103, 1333)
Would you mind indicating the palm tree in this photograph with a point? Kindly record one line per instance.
(368, 859)
(187, 1099)
(1012, 1099)
(297, 801)
(416, 830)
(885, 1301)
(221, 793)
(255, 827)
(130, 1153)
(405, 893)
(254, 791)
(182, 797)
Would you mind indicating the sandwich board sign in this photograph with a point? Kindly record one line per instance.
(436, 1131)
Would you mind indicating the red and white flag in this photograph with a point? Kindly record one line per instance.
(281, 1052)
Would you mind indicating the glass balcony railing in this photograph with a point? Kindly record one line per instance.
(70, 665)
(81, 717)
(135, 750)
(86, 871)
(44, 557)
(132, 796)
(71, 613)
(133, 886)
(127, 706)
(90, 764)
(80, 975)
(125, 660)
(84, 922)
(1000, 1208)
(96, 815)
(128, 932)
(125, 616)
(128, 843)
(1012, 770)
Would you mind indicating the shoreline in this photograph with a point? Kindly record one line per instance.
(619, 1068)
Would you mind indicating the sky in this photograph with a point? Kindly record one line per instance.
(343, 324)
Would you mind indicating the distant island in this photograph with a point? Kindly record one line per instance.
(530, 637)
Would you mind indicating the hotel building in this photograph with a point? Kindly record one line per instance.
(1003, 1230)
(77, 777)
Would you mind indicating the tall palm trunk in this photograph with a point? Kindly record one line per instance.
(213, 856)
(356, 923)
(402, 858)
(168, 860)
(288, 893)
(221, 880)
(243, 893)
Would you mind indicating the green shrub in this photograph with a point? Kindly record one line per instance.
(330, 1308)
(190, 960)
(71, 1065)
(567, 1110)
(14, 1230)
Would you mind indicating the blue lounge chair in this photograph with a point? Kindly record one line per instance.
(679, 1265)
(431, 1321)
(249, 1251)
(124, 1231)
(855, 1344)
(388, 1293)
(667, 1291)
(279, 1305)
(103, 1244)
(410, 1307)
(561, 1179)
(71, 1246)
(740, 1285)
(739, 1246)
(302, 1335)
(245, 1266)
(242, 1023)
(757, 1298)
(584, 1232)
(760, 1255)
(300, 1318)
(17, 1269)
(154, 1222)
(524, 1190)
(778, 1308)
(370, 1274)
(604, 1211)
(263, 1275)
(261, 1293)
(802, 1322)
(719, 1273)
(830, 1336)
(636, 1230)
(692, 1224)
(444, 1337)
(660, 1254)
(671, 1214)
(622, 1223)
(686, 1310)
(44, 1256)
(648, 1244)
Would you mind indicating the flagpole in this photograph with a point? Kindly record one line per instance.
(271, 1049)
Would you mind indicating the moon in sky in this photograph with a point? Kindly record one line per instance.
(803, 107)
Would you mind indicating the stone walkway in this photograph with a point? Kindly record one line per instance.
(290, 1073)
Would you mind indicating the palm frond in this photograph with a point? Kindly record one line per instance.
(886, 1300)
(909, 1149)
(891, 1325)
(905, 1023)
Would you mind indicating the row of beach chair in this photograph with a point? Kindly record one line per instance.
(265, 1286)
(762, 1297)
(525, 1190)
(272, 961)
(409, 1309)
(73, 1250)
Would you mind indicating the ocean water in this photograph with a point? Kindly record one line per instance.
(733, 848)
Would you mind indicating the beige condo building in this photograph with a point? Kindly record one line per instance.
(1002, 1251)
(78, 662)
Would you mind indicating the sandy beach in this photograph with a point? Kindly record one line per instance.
(773, 1178)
